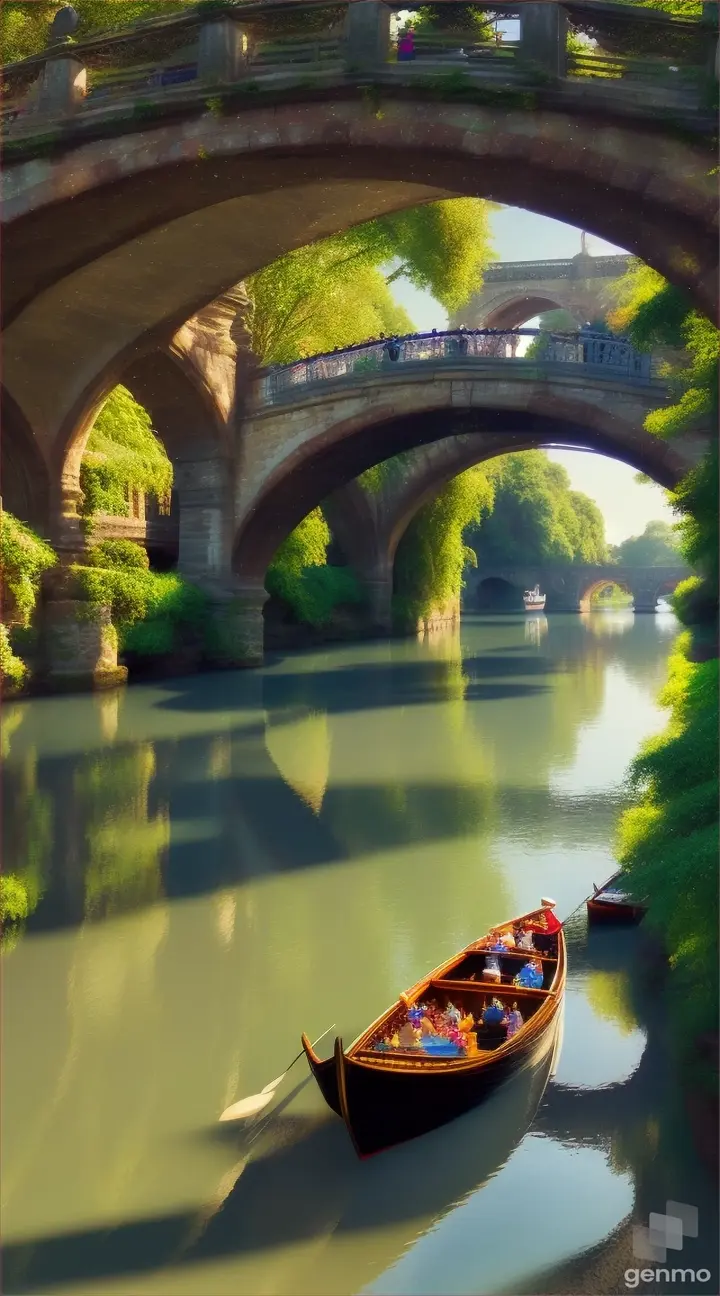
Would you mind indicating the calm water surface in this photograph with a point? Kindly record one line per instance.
(214, 864)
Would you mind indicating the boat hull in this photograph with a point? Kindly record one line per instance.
(603, 911)
(535, 606)
(382, 1108)
(600, 910)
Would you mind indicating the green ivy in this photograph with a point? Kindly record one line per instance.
(300, 576)
(432, 554)
(123, 454)
(23, 559)
(155, 612)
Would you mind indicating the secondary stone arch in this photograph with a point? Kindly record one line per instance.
(491, 418)
(92, 275)
(512, 310)
(186, 418)
(588, 592)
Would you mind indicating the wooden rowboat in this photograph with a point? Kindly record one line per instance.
(609, 903)
(386, 1097)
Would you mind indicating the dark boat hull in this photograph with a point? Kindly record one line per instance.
(609, 911)
(382, 1108)
(605, 911)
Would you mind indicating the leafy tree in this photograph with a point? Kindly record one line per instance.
(123, 454)
(668, 841)
(333, 293)
(432, 554)
(658, 546)
(318, 299)
(537, 518)
(300, 576)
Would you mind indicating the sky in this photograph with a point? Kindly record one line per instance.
(519, 235)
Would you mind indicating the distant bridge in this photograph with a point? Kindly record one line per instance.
(570, 588)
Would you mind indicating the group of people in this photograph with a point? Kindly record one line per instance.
(450, 1032)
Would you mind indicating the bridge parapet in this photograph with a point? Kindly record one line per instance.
(271, 45)
(601, 356)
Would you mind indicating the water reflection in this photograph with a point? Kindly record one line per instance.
(536, 627)
(213, 865)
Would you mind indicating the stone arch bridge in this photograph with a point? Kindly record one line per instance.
(515, 291)
(570, 588)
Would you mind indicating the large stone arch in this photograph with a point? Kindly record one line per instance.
(371, 526)
(297, 455)
(101, 241)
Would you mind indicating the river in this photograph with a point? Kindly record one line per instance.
(212, 865)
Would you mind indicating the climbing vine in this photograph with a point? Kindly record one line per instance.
(123, 454)
(300, 576)
(432, 554)
(23, 559)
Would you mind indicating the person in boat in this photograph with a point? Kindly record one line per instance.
(545, 928)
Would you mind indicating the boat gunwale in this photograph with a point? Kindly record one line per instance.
(516, 1043)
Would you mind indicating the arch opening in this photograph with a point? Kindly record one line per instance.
(303, 483)
(185, 420)
(495, 594)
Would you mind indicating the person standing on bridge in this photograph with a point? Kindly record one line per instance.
(392, 349)
(406, 46)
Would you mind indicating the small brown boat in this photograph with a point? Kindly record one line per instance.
(388, 1089)
(611, 904)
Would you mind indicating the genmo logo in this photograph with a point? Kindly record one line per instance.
(665, 1233)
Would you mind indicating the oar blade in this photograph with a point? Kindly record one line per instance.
(247, 1107)
(269, 1088)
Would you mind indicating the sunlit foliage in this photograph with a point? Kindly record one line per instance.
(123, 454)
(432, 554)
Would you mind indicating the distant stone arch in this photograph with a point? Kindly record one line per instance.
(496, 594)
(588, 592)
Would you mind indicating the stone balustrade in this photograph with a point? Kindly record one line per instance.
(602, 356)
(274, 45)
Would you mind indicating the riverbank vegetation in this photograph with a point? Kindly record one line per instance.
(537, 517)
(658, 546)
(668, 840)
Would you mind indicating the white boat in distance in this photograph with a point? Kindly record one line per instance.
(534, 601)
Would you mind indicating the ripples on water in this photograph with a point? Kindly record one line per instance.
(199, 870)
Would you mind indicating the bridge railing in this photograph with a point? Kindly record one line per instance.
(270, 43)
(603, 357)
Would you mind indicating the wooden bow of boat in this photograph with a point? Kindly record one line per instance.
(387, 1095)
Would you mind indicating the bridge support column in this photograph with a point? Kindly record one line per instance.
(204, 498)
(644, 598)
(379, 587)
(77, 641)
(238, 630)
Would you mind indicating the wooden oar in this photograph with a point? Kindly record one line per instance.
(255, 1102)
